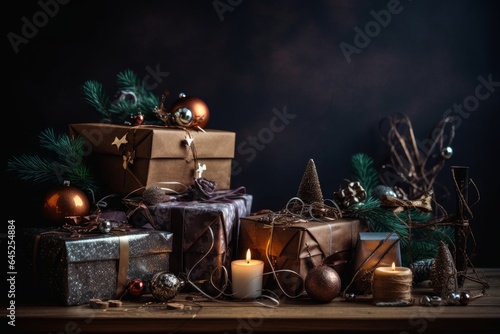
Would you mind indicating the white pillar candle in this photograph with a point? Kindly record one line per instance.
(247, 277)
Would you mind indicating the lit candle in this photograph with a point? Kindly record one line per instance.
(392, 284)
(247, 277)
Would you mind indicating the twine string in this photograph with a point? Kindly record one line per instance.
(392, 288)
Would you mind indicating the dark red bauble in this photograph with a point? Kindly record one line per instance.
(136, 288)
(322, 284)
(189, 111)
(65, 201)
(134, 120)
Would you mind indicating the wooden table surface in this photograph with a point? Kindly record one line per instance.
(482, 315)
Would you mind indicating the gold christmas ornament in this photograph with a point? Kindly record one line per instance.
(189, 111)
(63, 202)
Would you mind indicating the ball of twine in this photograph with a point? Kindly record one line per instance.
(392, 289)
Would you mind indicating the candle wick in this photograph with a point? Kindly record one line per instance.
(248, 261)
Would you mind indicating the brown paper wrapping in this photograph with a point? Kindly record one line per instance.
(144, 155)
(299, 247)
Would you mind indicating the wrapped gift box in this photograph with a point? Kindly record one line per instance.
(374, 249)
(71, 269)
(126, 158)
(205, 235)
(296, 247)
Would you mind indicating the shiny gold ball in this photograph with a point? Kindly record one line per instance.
(323, 284)
(64, 201)
(189, 111)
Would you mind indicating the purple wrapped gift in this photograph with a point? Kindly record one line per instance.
(205, 234)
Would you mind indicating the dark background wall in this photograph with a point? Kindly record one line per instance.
(248, 58)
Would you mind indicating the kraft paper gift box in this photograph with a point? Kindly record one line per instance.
(205, 235)
(374, 249)
(127, 158)
(298, 247)
(71, 269)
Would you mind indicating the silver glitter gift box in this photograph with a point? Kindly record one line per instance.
(71, 270)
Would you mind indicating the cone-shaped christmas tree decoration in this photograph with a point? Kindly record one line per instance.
(309, 189)
(443, 276)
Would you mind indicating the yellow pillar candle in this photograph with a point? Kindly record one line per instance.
(392, 285)
(247, 277)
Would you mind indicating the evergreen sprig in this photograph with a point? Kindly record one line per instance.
(94, 94)
(68, 165)
(118, 110)
(363, 171)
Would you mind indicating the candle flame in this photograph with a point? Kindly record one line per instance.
(248, 256)
(393, 266)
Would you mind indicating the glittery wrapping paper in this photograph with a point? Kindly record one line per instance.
(299, 247)
(71, 270)
(155, 154)
(195, 251)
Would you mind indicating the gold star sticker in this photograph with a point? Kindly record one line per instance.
(119, 142)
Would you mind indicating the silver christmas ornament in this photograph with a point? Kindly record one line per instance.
(349, 297)
(381, 189)
(165, 286)
(453, 298)
(447, 152)
(436, 300)
(104, 226)
(425, 300)
(465, 298)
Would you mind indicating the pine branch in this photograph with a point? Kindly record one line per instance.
(69, 166)
(94, 94)
(147, 103)
(364, 172)
(32, 168)
(122, 107)
(70, 152)
(128, 80)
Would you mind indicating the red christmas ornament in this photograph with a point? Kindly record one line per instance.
(189, 111)
(136, 288)
(134, 120)
(63, 202)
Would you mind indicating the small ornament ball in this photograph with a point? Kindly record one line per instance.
(447, 152)
(322, 284)
(136, 288)
(165, 286)
(65, 201)
(381, 189)
(189, 111)
(465, 298)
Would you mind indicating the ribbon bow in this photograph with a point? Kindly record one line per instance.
(398, 205)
